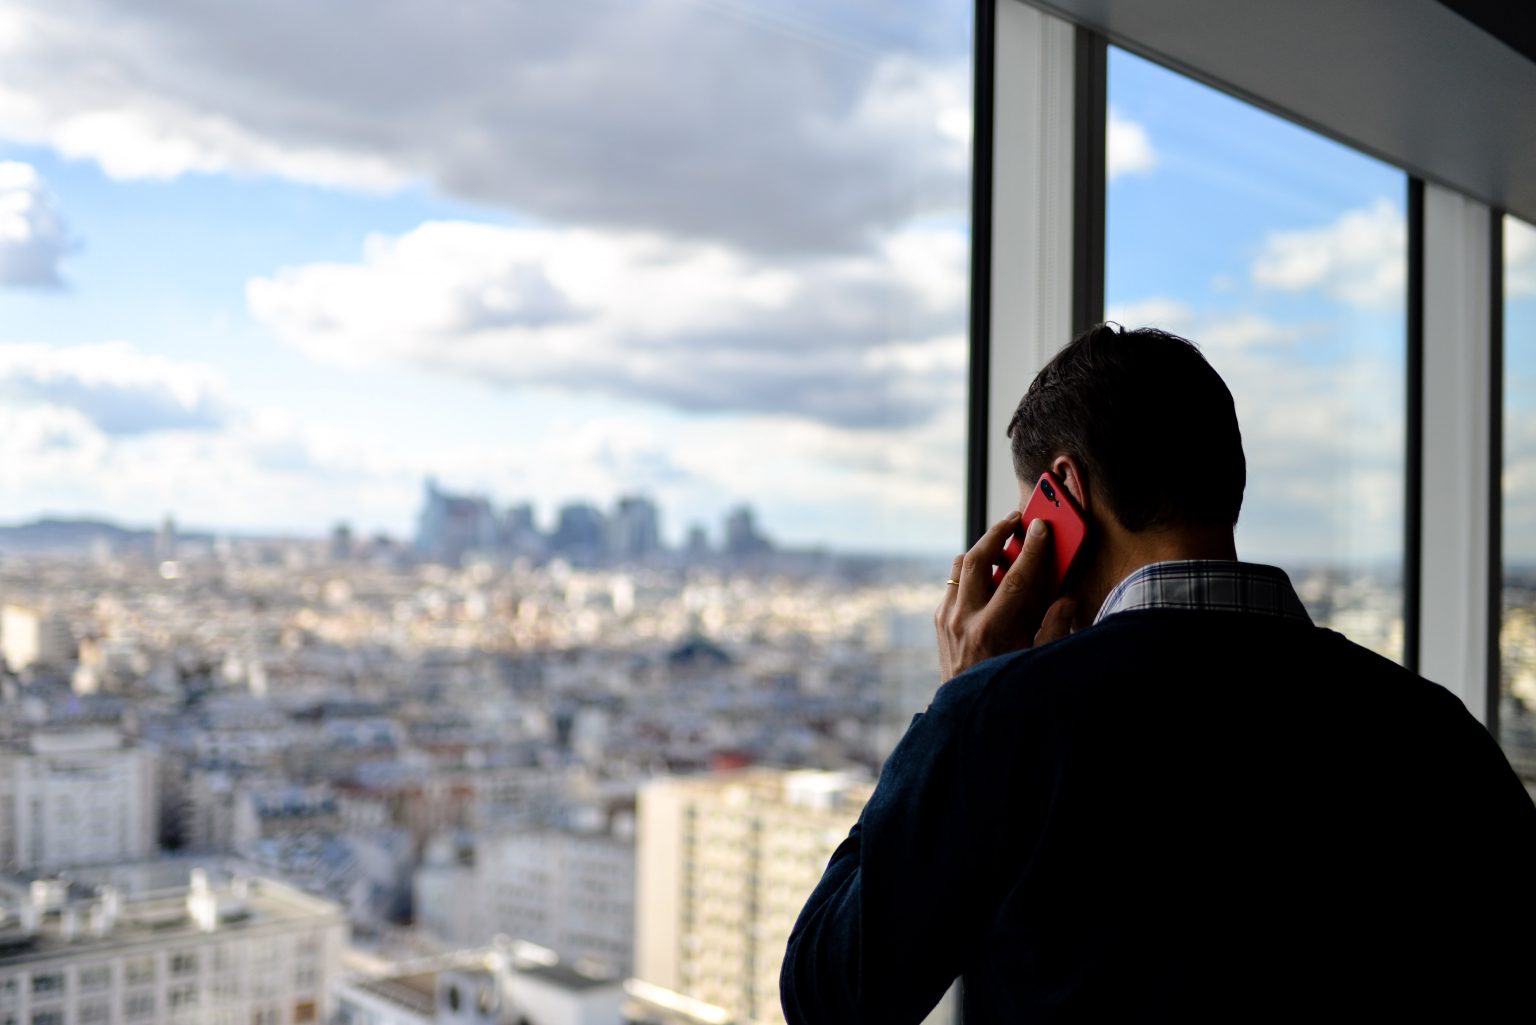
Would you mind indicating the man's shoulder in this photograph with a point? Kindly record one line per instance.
(1163, 647)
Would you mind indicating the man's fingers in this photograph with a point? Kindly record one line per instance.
(950, 590)
(1058, 622)
(976, 566)
(1026, 589)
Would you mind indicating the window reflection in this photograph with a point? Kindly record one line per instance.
(1517, 640)
(1283, 256)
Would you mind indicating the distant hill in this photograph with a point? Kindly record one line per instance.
(76, 537)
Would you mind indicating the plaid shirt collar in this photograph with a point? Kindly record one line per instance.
(1208, 585)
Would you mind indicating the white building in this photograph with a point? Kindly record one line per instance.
(568, 890)
(250, 952)
(31, 636)
(725, 864)
(514, 984)
(76, 797)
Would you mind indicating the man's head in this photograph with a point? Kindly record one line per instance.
(1144, 433)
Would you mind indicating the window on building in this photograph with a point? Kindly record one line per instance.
(140, 970)
(184, 962)
(1517, 638)
(94, 1012)
(95, 977)
(1283, 255)
(139, 1006)
(46, 984)
(49, 1016)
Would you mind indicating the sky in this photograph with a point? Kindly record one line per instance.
(266, 272)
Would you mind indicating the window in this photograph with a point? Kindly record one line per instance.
(95, 977)
(47, 984)
(95, 1012)
(52, 1016)
(1283, 255)
(139, 1006)
(643, 359)
(139, 970)
(1517, 639)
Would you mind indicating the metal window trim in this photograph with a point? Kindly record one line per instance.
(1495, 597)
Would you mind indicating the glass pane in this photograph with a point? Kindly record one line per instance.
(1517, 706)
(1283, 256)
(433, 425)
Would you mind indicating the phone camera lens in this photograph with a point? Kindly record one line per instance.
(1047, 490)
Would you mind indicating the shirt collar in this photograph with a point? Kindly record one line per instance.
(1207, 585)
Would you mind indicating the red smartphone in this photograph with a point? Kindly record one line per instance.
(1052, 503)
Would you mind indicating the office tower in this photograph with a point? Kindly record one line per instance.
(76, 797)
(32, 636)
(451, 526)
(636, 529)
(520, 532)
(343, 545)
(581, 533)
(725, 863)
(742, 539)
(165, 540)
(246, 952)
(698, 541)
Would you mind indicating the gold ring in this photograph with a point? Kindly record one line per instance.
(952, 583)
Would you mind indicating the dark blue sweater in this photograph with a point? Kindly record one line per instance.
(1179, 816)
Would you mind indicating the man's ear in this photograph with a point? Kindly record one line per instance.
(1070, 472)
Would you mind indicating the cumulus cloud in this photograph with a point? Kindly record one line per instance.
(1360, 259)
(33, 237)
(855, 340)
(1128, 147)
(1322, 428)
(1519, 259)
(631, 114)
(115, 387)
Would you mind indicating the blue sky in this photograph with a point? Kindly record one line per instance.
(571, 252)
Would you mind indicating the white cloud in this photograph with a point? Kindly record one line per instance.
(1360, 259)
(856, 341)
(1322, 430)
(1519, 259)
(631, 114)
(1128, 147)
(33, 237)
(113, 385)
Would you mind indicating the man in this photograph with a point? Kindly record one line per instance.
(1167, 795)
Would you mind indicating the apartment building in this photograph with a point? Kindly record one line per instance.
(239, 952)
(76, 797)
(724, 864)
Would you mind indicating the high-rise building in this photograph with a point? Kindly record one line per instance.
(451, 526)
(725, 863)
(742, 538)
(246, 952)
(77, 797)
(636, 528)
(581, 533)
(34, 637)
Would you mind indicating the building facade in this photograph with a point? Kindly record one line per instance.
(76, 797)
(246, 952)
(724, 865)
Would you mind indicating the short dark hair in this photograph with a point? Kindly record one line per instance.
(1151, 422)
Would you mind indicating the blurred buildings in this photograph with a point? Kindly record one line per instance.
(76, 797)
(230, 952)
(724, 866)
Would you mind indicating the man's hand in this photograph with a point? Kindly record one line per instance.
(974, 623)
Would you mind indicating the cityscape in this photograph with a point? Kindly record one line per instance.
(371, 779)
